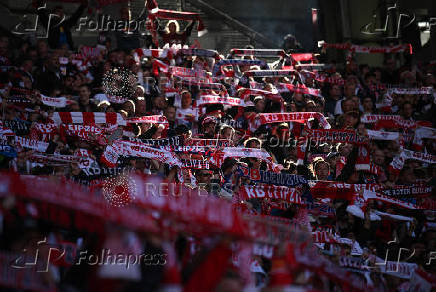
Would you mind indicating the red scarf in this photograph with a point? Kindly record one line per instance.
(156, 119)
(178, 15)
(286, 87)
(213, 99)
(88, 118)
(268, 118)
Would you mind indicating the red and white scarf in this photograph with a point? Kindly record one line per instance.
(89, 52)
(178, 15)
(303, 57)
(323, 78)
(54, 159)
(187, 72)
(195, 164)
(390, 121)
(202, 84)
(240, 152)
(200, 53)
(209, 142)
(335, 136)
(372, 119)
(269, 73)
(218, 67)
(88, 118)
(399, 124)
(43, 132)
(137, 149)
(369, 195)
(423, 133)
(85, 132)
(5, 132)
(383, 135)
(423, 157)
(363, 159)
(155, 119)
(258, 52)
(401, 270)
(36, 145)
(286, 87)
(213, 99)
(269, 95)
(159, 65)
(54, 101)
(370, 50)
(268, 118)
(419, 90)
(154, 53)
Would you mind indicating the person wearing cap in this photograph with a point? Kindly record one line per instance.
(259, 103)
(209, 124)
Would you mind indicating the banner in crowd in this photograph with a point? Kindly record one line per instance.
(156, 119)
(209, 142)
(54, 101)
(286, 194)
(268, 118)
(370, 50)
(214, 99)
(172, 141)
(217, 68)
(335, 136)
(205, 53)
(272, 178)
(258, 52)
(286, 87)
(178, 15)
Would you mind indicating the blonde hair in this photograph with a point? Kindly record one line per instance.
(316, 163)
(167, 27)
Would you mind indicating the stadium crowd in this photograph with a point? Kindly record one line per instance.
(342, 151)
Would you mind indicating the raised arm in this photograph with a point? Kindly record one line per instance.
(189, 27)
(41, 10)
(76, 15)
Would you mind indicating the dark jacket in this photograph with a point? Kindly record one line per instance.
(56, 24)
